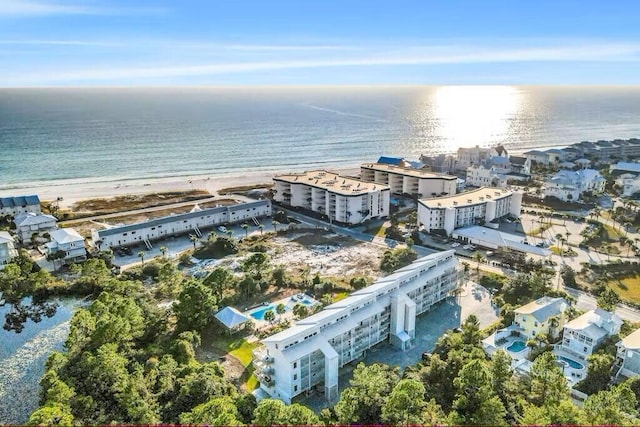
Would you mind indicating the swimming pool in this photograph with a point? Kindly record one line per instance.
(517, 346)
(304, 299)
(572, 363)
(259, 313)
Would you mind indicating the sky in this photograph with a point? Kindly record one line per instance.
(319, 42)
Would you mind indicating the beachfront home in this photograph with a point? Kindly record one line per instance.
(7, 249)
(628, 355)
(190, 222)
(481, 176)
(307, 356)
(476, 207)
(629, 184)
(544, 316)
(341, 199)
(415, 182)
(11, 206)
(622, 168)
(67, 241)
(569, 185)
(466, 157)
(581, 336)
(29, 225)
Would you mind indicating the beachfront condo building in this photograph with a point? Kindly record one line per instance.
(308, 356)
(341, 199)
(68, 242)
(12, 206)
(190, 222)
(415, 182)
(477, 207)
(7, 249)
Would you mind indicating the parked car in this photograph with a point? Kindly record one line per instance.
(455, 244)
(467, 247)
(222, 229)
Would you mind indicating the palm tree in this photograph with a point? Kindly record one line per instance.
(229, 233)
(194, 240)
(141, 255)
(280, 309)
(269, 316)
(261, 227)
(478, 258)
(275, 225)
(212, 236)
(163, 249)
(245, 227)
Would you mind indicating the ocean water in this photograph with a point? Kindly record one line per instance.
(120, 133)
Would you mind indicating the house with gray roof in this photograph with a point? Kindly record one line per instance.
(7, 249)
(232, 319)
(11, 206)
(583, 335)
(30, 224)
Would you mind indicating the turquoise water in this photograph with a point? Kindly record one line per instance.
(258, 314)
(572, 363)
(60, 133)
(517, 346)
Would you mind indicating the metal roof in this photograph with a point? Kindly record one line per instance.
(17, 201)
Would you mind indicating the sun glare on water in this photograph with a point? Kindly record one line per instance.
(473, 115)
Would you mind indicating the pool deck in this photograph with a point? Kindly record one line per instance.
(571, 374)
(288, 302)
(502, 340)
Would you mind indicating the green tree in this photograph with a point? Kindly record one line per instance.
(300, 311)
(54, 415)
(279, 276)
(362, 402)
(248, 287)
(141, 255)
(612, 407)
(568, 276)
(255, 264)
(405, 405)
(220, 411)
(608, 299)
(261, 228)
(269, 412)
(478, 258)
(471, 333)
(280, 309)
(269, 316)
(195, 307)
(598, 373)
(194, 239)
(163, 250)
(476, 403)
(502, 377)
(548, 384)
(245, 227)
(275, 225)
(219, 280)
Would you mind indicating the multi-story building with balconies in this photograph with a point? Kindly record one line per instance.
(581, 336)
(475, 207)
(309, 355)
(341, 199)
(415, 182)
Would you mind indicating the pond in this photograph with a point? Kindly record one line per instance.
(23, 356)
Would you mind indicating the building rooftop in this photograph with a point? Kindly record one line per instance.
(591, 323)
(66, 235)
(500, 239)
(626, 167)
(17, 201)
(632, 341)
(418, 173)
(481, 195)
(544, 308)
(24, 219)
(230, 317)
(332, 182)
(5, 237)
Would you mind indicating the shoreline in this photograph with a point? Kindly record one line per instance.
(75, 190)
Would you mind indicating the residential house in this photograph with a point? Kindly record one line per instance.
(569, 185)
(629, 184)
(481, 176)
(70, 243)
(544, 316)
(7, 249)
(11, 206)
(308, 356)
(476, 207)
(402, 180)
(341, 199)
(628, 355)
(621, 168)
(583, 335)
(520, 165)
(31, 224)
(470, 156)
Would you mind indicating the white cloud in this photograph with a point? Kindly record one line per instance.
(35, 8)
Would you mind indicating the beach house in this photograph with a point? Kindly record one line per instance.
(341, 199)
(475, 207)
(7, 249)
(307, 357)
(581, 336)
(469, 156)
(67, 241)
(11, 206)
(570, 185)
(628, 355)
(30, 225)
(414, 182)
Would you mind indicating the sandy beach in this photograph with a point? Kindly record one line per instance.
(80, 189)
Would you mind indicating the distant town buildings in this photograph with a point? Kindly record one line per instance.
(309, 354)
(190, 222)
(11, 206)
(414, 182)
(30, 224)
(7, 249)
(67, 241)
(477, 207)
(596, 151)
(341, 199)
(569, 185)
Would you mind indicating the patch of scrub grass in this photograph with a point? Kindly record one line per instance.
(340, 296)
(243, 351)
(628, 288)
(612, 234)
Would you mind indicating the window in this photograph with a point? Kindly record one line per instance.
(584, 349)
(295, 388)
(295, 377)
(295, 365)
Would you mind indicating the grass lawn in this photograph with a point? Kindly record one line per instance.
(612, 235)
(628, 288)
(339, 296)
(242, 350)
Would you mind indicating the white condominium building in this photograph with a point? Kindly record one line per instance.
(345, 200)
(475, 207)
(308, 355)
(416, 182)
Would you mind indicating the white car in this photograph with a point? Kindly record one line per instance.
(222, 229)
(455, 244)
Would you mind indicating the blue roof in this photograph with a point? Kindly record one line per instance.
(10, 202)
(397, 161)
(230, 317)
